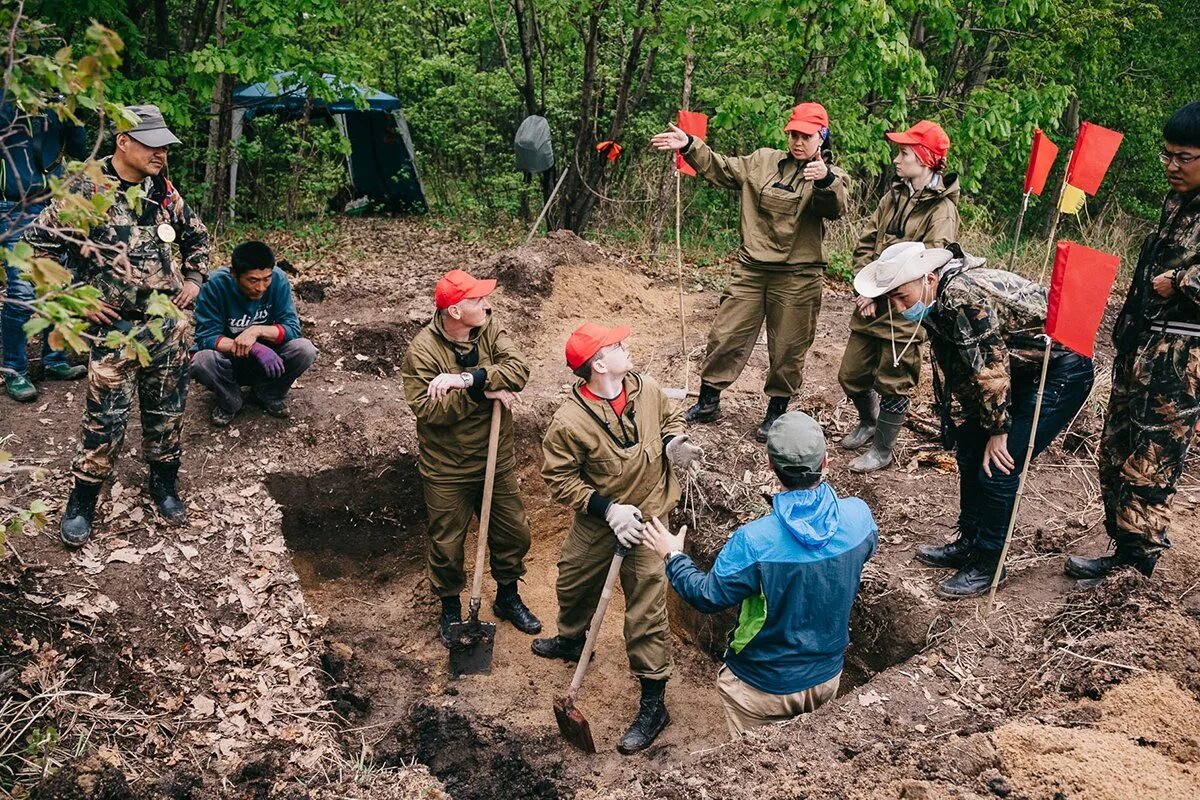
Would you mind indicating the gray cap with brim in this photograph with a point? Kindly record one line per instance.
(152, 131)
(796, 443)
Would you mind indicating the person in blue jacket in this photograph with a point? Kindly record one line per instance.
(795, 573)
(32, 148)
(248, 334)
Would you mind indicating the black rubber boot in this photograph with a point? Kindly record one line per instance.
(75, 528)
(451, 613)
(1091, 572)
(973, 578)
(707, 407)
(776, 408)
(952, 555)
(164, 491)
(868, 415)
(880, 455)
(510, 607)
(558, 647)
(651, 718)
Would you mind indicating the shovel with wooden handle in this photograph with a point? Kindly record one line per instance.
(571, 723)
(472, 641)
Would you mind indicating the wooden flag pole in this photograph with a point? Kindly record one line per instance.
(1012, 520)
(1062, 190)
(687, 372)
(1012, 259)
(546, 207)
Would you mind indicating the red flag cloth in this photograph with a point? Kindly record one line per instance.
(611, 150)
(695, 124)
(1094, 151)
(1079, 290)
(1041, 158)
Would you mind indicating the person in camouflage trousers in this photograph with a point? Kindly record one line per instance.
(155, 244)
(987, 334)
(1155, 401)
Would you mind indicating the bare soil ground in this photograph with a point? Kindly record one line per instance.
(283, 642)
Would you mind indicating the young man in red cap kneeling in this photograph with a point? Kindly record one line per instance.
(608, 453)
(454, 367)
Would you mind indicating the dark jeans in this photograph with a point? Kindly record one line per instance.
(13, 317)
(986, 504)
(226, 375)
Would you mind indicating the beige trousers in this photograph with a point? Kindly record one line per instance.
(747, 707)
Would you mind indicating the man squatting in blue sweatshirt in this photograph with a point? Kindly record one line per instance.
(795, 573)
(248, 334)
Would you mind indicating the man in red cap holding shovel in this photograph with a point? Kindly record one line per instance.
(787, 197)
(608, 454)
(453, 368)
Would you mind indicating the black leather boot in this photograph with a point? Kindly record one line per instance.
(164, 476)
(651, 718)
(1091, 572)
(75, 528)
(558, 647)
(707, 407)
(510, 607)
(451, 613)
(776, 408)
(973, 578)
(952, 555)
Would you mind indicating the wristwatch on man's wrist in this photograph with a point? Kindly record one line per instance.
(467, 379)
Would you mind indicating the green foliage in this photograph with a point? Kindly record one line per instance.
(289, 160)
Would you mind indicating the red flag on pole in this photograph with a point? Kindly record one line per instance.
(695, 124)
(1079, 290)
(1041, 158)
(1094, 151)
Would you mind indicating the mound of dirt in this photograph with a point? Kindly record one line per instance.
(528, 270)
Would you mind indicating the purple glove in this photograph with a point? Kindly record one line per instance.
(268, 359)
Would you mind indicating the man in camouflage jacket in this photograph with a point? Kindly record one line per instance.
(152, 244)
(987, 334)
(1155, 402)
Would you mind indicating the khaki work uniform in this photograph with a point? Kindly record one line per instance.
(452, 435)
(747, 707)
(931, 217)
(592, 458)
(781, 262)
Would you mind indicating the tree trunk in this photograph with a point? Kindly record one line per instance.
(658, 215)
(1070, 128)
(220, 124)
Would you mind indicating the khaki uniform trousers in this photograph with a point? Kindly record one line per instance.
(747, 707)
(867, 360)
(790, 301)
(450, 505)
(586, 556)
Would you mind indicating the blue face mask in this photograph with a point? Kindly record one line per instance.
(916, 312)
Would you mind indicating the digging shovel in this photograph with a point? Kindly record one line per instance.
(472, 641)
(571, 723)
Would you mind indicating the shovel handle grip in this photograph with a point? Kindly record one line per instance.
(485, 508)
(593, 633)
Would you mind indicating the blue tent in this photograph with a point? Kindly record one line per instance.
(381, 161)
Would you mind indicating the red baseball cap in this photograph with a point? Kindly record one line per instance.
(808, 118)
(588, 339)
(927, 136)
(456, 286)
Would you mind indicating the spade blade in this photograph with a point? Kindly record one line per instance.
(471, 645)
(573, 725)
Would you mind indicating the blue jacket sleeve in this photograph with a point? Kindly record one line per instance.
(734, 577)
(74, 140)
(210, 319)
(284, 307)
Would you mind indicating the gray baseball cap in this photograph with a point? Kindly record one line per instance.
(152, 131)
(796, 443)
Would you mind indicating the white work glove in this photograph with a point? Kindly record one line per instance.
(683, 455)
(626, 522)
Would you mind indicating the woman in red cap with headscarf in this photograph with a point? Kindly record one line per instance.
(787, 196)
(882, 362)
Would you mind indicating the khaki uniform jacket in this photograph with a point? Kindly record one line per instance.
(782, 215)
(453, 433)
(931, 216)
(590, 458)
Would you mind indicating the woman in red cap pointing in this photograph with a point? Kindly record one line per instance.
(882, 361)
(787, 196)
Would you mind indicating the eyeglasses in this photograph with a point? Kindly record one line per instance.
(1182, 159)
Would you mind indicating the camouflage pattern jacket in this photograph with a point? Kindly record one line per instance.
(134, 254)
(985, 329)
